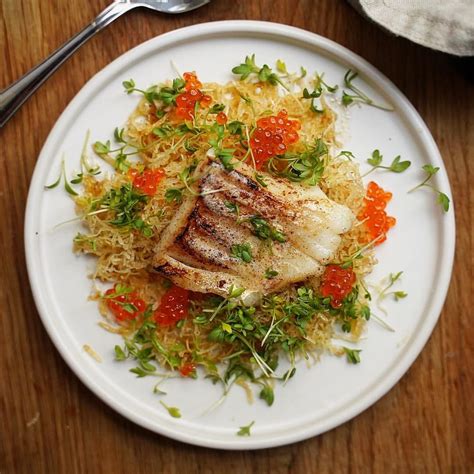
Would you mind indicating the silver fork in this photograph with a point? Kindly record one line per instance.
(16, 94)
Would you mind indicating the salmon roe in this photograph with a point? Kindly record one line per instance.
(146, 182)
(124, 306)
(187, 369)
(337, 283)
(272, 137)
(221, 118)
(376, 219)
(186, 101)
(174, 306)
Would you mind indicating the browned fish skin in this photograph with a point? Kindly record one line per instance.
(195, 249)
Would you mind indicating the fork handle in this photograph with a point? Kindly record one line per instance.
(17, 93)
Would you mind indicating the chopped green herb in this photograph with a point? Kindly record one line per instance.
(269, 273)
(264, 231)
(242, 251)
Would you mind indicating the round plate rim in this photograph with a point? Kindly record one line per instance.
(284, 32)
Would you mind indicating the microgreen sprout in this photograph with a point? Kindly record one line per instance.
(225, 155)
(319, 87)
(357, 95)
(443, 199)
(306, 167)
(165, 94)
(264, 73)
(392, 278)
(396, 166)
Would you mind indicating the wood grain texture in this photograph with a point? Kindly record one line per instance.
(425, 424)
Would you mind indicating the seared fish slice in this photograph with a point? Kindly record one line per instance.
(195, 249)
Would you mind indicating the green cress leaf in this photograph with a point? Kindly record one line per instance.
(119, 353)
(102, 148)
(173, 411)
(235, 127)
(216, 108)
(174, 195)
(246, 68)
(235, 292)
(398, 166)
(121, 163)
(129, 86)
(399, 295)
(245, 430)
(376, 158)
(267, 394)
(430, 169)
(444, 201)
(232, 206)
(118, 135)
(264, 73)
(352, 355)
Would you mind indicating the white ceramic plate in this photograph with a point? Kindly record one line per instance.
(317, 398)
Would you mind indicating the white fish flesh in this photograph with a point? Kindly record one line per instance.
(195, 250)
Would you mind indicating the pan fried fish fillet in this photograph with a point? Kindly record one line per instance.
(195, 249)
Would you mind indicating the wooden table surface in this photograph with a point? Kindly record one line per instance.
(50, 422)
